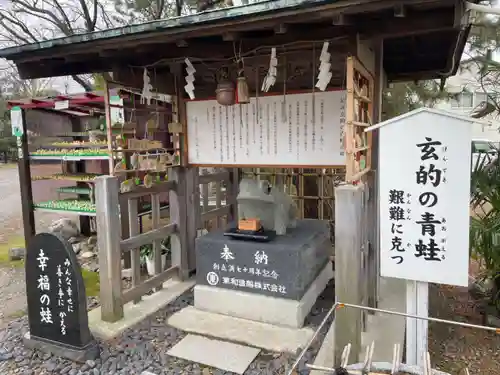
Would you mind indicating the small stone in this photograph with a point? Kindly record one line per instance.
(5, 356)
(66, 228)
(87, 255)
(17, 253)
(92, 241)
(73, 240)
(90, 363)
(50, 366)
(77, 247)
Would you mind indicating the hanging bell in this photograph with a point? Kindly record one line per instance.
(243, 94)
(224, 94)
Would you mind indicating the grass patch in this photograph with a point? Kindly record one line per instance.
(18, 314)
(90, 279)
(8, 165)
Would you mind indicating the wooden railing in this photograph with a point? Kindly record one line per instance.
(189, 211)
(112, 246)
(218, 200)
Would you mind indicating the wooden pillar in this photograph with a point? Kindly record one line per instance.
(348, 258)
(232, 193)
(373, 203)
(79, 167)
(178, 215)
(108, 241)
(25, 182)
(193, 216)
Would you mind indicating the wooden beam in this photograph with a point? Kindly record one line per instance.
(340, 20)
(231, 37)
(400, 11)
(25, 182)
(416, 22)
(259, 22)
(280, 29)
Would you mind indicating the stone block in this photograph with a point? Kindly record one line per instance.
(262, 308)
(284, 267)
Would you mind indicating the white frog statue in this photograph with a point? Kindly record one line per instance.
(275, 209)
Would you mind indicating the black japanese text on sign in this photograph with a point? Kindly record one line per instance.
(56, 294)
(431, 173)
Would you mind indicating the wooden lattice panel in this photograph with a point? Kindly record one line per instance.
(359, 115)
(312, 189)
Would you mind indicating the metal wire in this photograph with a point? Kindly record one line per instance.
(369, 352)
(467, 325)
(309, 343)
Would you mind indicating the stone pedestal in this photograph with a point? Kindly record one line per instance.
(276, 282)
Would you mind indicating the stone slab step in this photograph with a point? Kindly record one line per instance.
(260, 335)
(215, 353)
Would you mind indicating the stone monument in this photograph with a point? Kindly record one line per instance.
(57, 305)
(275, 209)
(274, 282)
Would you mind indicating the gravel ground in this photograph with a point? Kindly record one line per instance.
(12, 292)
(144, 347)
(11, 223)
(140, 348)
(453, 348)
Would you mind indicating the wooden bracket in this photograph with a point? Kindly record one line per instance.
(230, 37)
(280, 29)
(400, 11)
(340, 20)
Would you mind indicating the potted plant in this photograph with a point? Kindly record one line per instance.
(147, 255)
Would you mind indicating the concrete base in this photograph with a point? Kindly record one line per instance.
(264, 309)
(91, 351)
(135, 313)
(259, 335)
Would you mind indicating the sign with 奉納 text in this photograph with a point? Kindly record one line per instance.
(424, 193)
(282, 268)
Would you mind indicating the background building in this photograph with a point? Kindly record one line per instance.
(471, 92)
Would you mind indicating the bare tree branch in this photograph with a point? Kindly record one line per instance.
(53, 18)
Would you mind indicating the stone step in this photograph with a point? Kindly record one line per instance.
(260, 335)
(215, 353)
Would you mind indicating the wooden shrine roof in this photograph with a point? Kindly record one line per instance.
(422, 38)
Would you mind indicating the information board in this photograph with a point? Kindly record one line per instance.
(279, 130)
(424, 196)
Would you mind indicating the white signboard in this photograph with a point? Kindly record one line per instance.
(299, 129)
(117, 111)
(424, 197)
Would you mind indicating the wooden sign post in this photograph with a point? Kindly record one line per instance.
(424, 192)
(57, 305)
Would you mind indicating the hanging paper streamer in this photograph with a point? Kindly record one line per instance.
(324, 75)
(270, 78)
(146, 88)
(190, 70)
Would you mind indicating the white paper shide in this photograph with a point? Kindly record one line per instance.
(424, 197)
